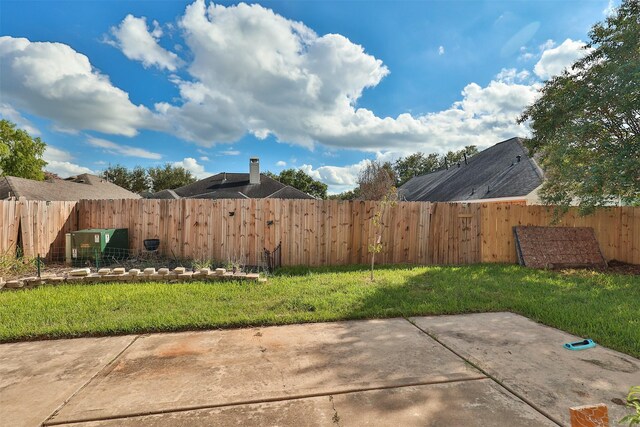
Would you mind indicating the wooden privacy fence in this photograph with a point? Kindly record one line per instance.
(38, 227)
(312, 232)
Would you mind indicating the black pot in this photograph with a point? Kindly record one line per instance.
(151, 244)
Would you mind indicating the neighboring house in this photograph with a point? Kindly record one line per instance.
(504, 172)
(79, 187)
(252, 185)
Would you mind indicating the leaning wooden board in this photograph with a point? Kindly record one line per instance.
(558, 247)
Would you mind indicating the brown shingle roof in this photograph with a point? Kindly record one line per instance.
(80, 187)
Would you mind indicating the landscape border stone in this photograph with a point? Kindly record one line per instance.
(105, 275)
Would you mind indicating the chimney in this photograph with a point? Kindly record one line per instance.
(254, 170)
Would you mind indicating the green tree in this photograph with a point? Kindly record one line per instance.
(168, 177)
(135, 180)
(415, 165)
(454, 157)
(301, 180)
(346, 195)
(20, 153)
(419, 163)
(118, 175)
(138, 180)
(586, 123)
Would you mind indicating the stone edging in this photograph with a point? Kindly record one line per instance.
(104, 275)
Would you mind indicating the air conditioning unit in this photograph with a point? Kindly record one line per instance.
(99, 246)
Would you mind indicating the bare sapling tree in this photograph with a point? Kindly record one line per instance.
(375, 181)
(388, 201)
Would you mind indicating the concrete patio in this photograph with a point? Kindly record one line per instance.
(480, 369)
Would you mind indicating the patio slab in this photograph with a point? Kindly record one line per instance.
(529, 359)
(181, 371)
(464, 403)
(37, 377)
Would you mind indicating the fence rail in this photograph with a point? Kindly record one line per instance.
(312, 232)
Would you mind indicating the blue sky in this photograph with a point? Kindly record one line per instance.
(320, 85)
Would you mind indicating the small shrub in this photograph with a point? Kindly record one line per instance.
(633, 402)
(12, 265)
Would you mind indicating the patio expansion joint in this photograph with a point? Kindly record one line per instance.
(255, 401)
(83, 386)
(489, 375)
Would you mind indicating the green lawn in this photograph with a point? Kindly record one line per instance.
(603, 307)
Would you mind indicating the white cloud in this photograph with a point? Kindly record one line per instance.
(55, 154)
(512, 75)
(554, 60)
(254, 71)
(60, 163)
(441, 50)
(525, 55)
(192, 165)
(610, 9)
(281, 163)
(66, 169)
(549, 44)
(54, 81)
(135, 40)
(9, 113)
(123, 150)
(230, 152)
(204, 158)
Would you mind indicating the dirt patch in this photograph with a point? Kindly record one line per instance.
(623, 365)
(180, 349)
(619, 267)
(614, 267)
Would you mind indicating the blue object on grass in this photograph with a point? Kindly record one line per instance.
(580, 345)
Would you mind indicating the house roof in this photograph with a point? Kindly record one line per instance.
(233, 186)
(492, 173)
(79, 187)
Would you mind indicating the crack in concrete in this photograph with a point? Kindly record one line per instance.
(111, 363)
(254, 401)
(336, 417)
(493, 378)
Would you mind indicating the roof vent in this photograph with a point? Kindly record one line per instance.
(518, 157)
(465, 158)
(254, 170)
(458, 164)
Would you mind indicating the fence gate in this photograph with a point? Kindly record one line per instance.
(468, 233)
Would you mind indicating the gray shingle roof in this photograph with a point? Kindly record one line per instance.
(492, 173)
(233, 186)
(83, 186)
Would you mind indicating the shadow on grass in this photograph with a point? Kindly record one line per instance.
(599, 306)
(595, 305)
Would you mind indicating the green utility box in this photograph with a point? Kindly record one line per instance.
(99, 246)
